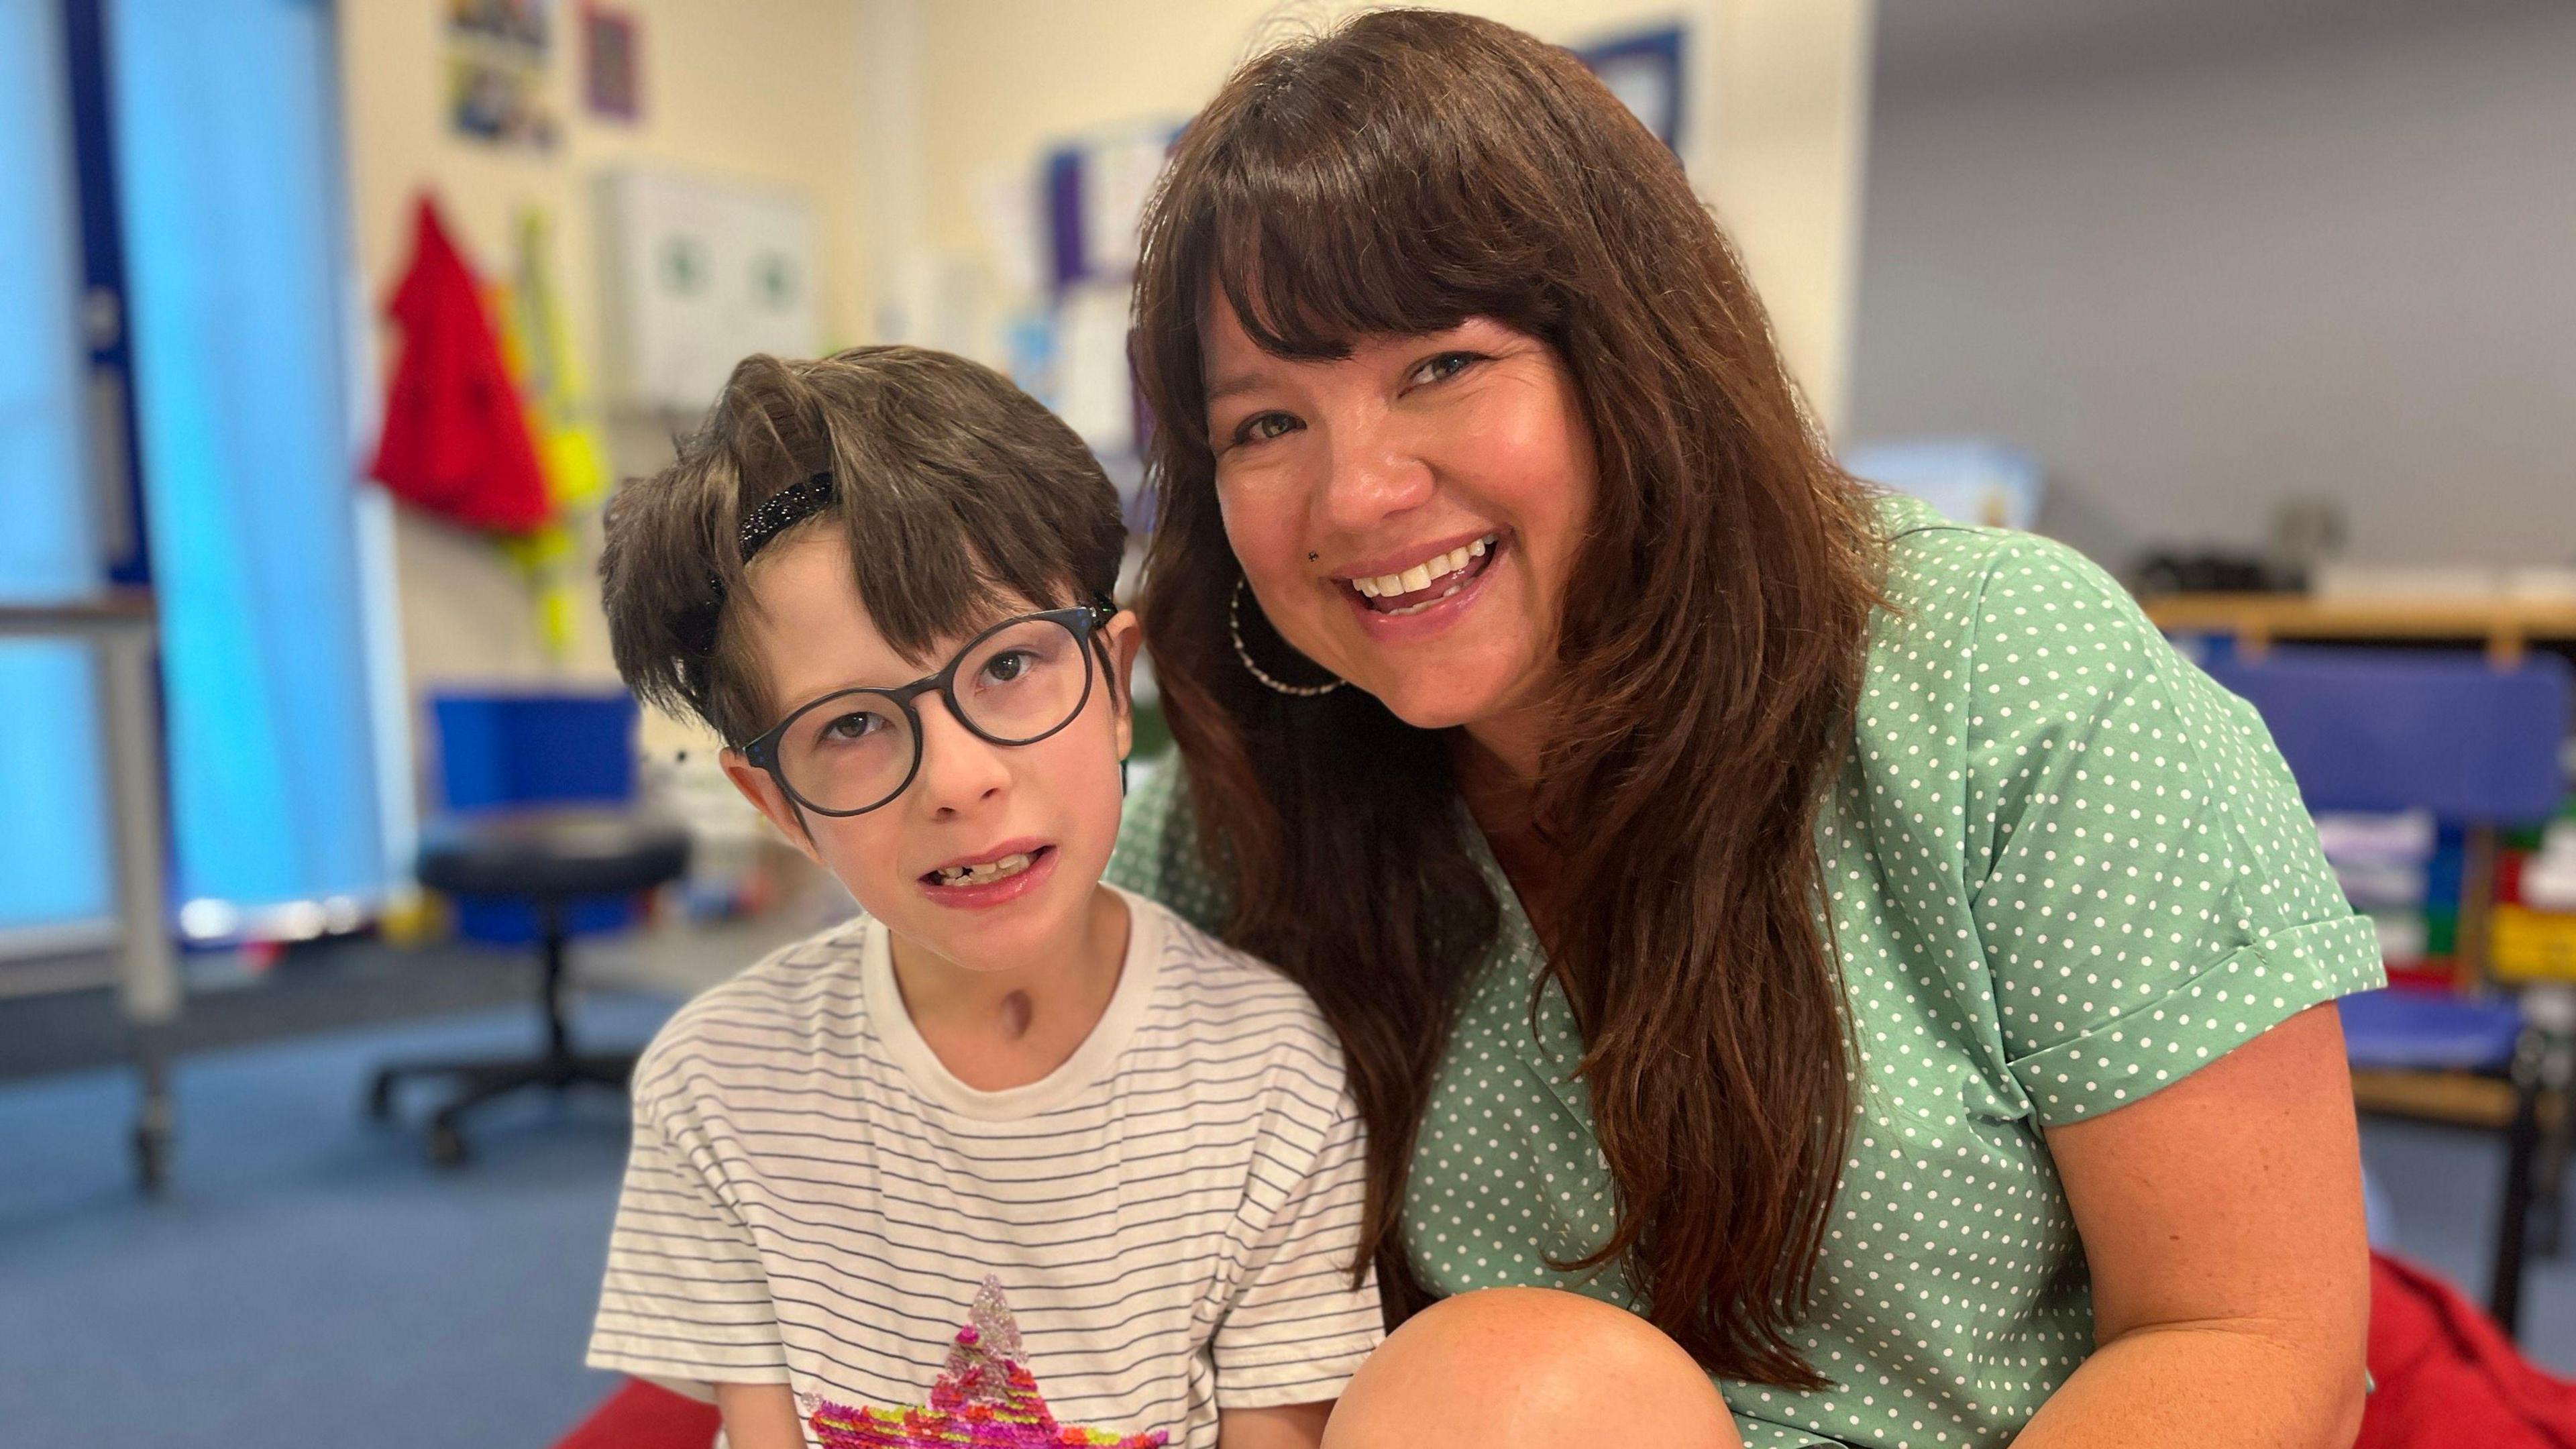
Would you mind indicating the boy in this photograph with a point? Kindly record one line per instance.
(1013, 1158)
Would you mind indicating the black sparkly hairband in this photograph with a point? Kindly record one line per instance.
(781, 511)
(785, 508)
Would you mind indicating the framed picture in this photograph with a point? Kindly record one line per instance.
(1644, 71)
(611, 64)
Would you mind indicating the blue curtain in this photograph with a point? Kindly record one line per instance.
(226, 119)
(53, 861)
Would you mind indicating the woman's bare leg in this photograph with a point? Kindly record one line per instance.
(1529, 1368)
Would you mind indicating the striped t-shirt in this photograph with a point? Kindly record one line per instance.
(814, 1200)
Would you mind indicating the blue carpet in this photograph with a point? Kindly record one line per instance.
(310, 1280)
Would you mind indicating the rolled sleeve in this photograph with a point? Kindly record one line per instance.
(1297, 1328)
(2153, 893)
(685, 1301)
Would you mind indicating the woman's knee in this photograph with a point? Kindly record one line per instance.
(1513, 1367)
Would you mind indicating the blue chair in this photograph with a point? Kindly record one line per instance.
(2477, 746)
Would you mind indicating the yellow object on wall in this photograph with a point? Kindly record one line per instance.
(539, 353)
(2526, 944)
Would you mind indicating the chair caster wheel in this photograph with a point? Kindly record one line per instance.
(380, 1100)
(446, 1146)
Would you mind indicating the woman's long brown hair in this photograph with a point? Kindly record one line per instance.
(1397, 175)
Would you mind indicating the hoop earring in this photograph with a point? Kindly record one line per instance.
(1234, 630)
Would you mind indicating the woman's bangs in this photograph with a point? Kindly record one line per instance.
(1313, 257)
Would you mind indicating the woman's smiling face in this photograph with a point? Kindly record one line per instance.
(1408, 516)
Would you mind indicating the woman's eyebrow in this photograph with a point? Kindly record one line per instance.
(1226, 387)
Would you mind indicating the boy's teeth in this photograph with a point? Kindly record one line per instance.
(985, 874)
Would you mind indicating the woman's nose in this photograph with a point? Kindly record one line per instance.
(959, 769)
(1373, 472)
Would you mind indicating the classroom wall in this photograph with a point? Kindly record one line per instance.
(891, 113)
(2196, 279)
(756, 91)
(1776, 115)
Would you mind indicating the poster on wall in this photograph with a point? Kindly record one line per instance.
(611, 64)
(701, 271)
(499, 54)
(1644, 71)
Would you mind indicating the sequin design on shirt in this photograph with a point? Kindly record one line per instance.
(985, 1398)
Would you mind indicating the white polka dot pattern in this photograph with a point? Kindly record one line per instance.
(2064, 869)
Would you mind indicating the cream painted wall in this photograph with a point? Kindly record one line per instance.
(1777, 114)
(762, 91)
(890, 113)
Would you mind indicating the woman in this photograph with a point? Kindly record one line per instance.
(1854, 944)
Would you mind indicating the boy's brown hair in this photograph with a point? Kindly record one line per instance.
(955, 491)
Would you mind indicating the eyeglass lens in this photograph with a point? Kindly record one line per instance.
(855, 751)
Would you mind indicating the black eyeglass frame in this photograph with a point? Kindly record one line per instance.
(1083, 621)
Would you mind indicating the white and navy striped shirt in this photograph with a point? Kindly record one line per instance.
(813, 1199)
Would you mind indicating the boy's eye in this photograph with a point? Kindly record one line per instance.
(1262, 427)
(1443, 367)
(858, 724)
(1003, 668)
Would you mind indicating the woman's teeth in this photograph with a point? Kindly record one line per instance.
(985, 874)
(1419, 577)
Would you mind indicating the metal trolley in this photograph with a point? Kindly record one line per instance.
(120, 628)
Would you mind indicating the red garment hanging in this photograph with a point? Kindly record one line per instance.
(456, 432)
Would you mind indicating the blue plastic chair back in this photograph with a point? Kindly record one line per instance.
(2446, 732)
(502, 748)
(534, 747)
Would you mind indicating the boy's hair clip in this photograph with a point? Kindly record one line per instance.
(781, 511)
(784, 509)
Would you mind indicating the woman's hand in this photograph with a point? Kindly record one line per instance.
(2222, 1221)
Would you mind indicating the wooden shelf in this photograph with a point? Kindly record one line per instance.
(2506, 627)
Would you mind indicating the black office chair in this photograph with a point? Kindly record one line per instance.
(550, 858)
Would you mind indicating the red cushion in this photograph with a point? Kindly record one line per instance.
(2447, 1375)
(643, 1416)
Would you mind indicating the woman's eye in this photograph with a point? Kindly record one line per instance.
(1443, 367)
(1262, 427)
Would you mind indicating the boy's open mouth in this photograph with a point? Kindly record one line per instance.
(986, 872)
(1416, 588)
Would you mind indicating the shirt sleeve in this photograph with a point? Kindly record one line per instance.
(1297, 1329)
(2146, 886)
(1158, 853)
(685, 1302)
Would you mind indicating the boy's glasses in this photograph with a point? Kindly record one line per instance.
(1016, 683)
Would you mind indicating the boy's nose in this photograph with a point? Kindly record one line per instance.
(958, 768)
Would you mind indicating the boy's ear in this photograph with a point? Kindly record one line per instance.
(765, 796)
(1126, 636)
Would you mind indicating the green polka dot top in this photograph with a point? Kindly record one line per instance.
(2065, 870)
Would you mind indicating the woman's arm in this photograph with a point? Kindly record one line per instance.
(760, 1416)
(2222, 1221)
